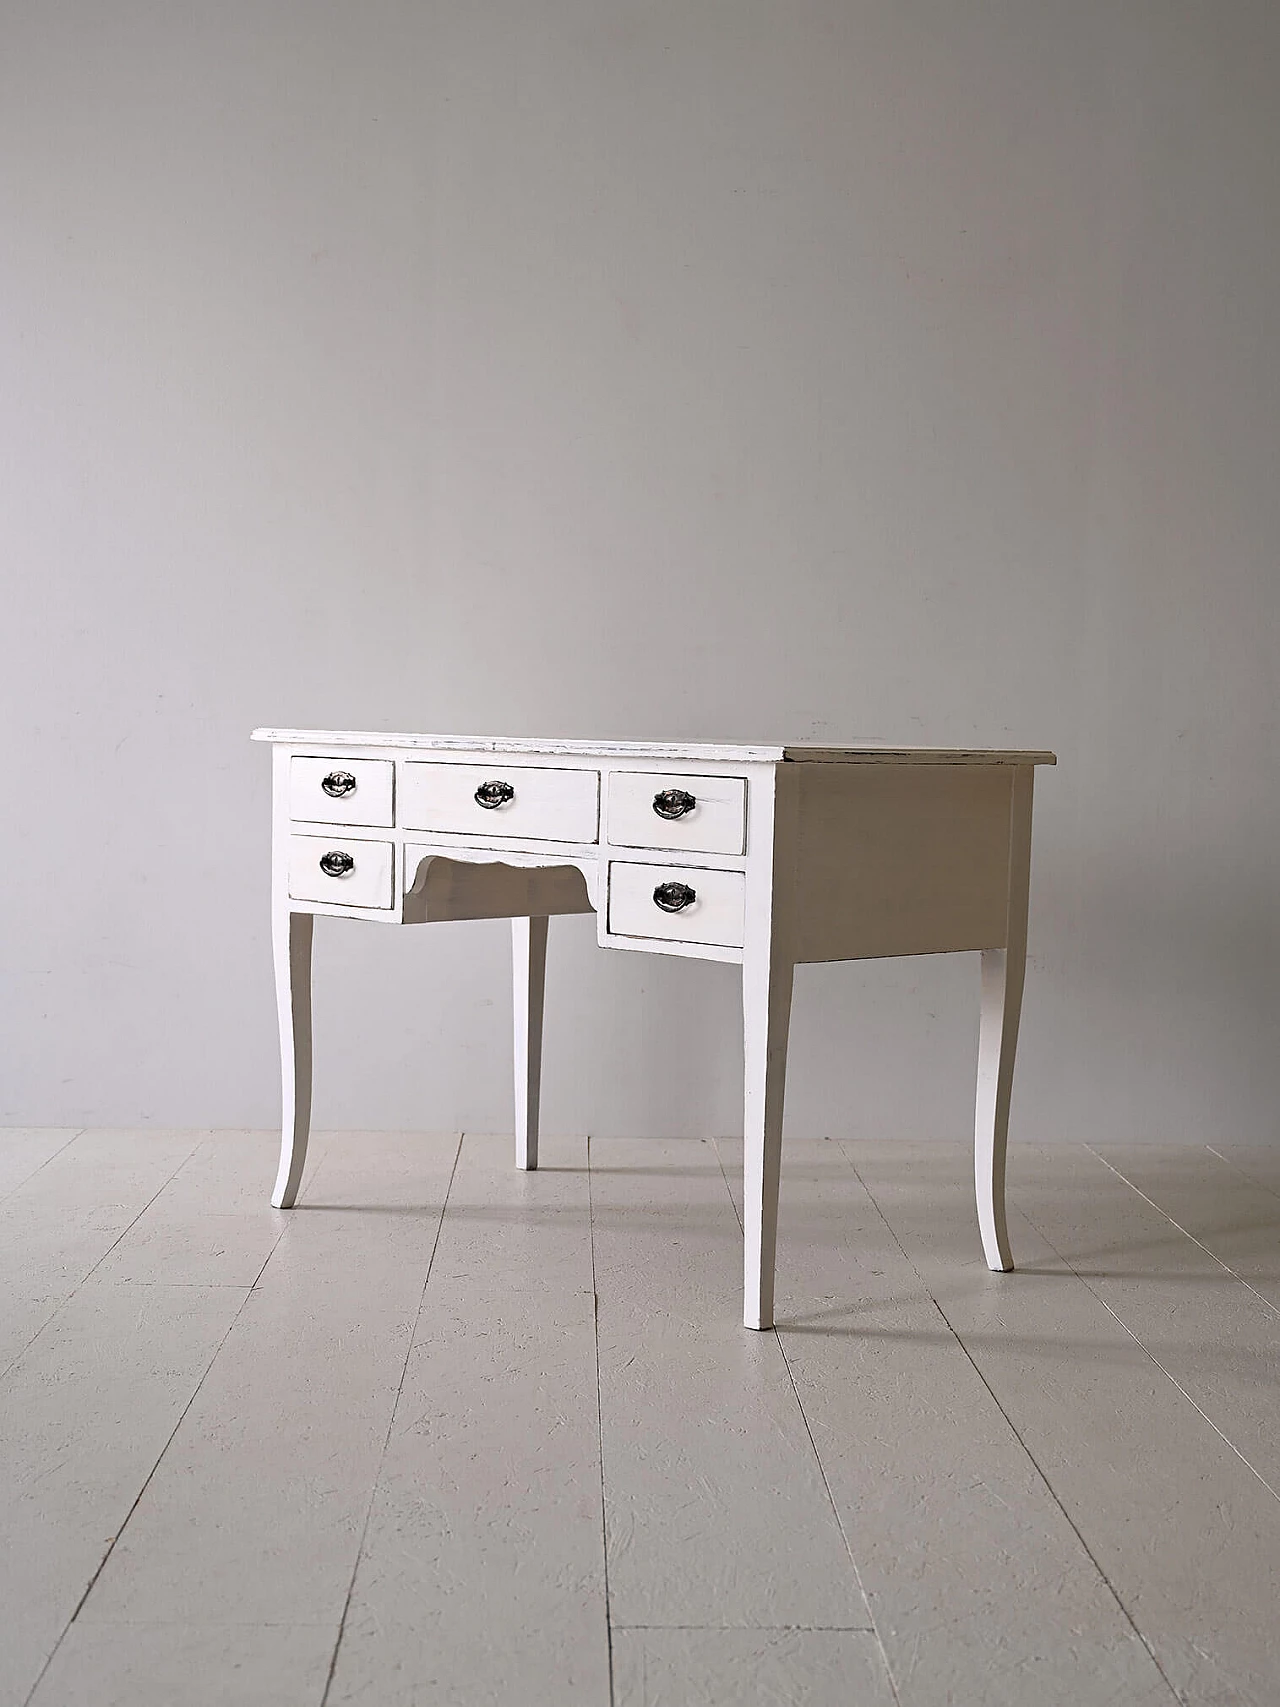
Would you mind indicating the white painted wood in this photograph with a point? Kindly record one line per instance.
(24, 1150)
(1186, 1536)
(699, 751)
(677, 950)
(529, 972)
(1003, 972)
(255, 1513)
(158, 1665)
(812, 753)
(208, 1225)
(1049, 1483)
(85, 1413)
(767, 978)
(1211, 1201)
(370, 802)
(481, 1573)
(715, 1503)
(59, 1224)
(369, 882)
(877, 850)
(717, 822)
(984, 1592)
(709, 1668)
(291, 937)
(714, 916)
(549, 804)
(766, 1020)
(547, 749)
(901, 860)
(1259, 1164)
(1226, 1359)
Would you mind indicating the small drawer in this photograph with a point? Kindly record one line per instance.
(348, 873)
(342, 791)
(697, 814)
(676, 903)
(537, 804)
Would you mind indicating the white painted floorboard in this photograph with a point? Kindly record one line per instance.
(1218, 1205)
(982, 1591)
(716, 1668)
(717, 1511)
(1180, 1528)
(370, 1451)
(481, 1574)
(256, 1512)
(24, 1150)
(65, 1216)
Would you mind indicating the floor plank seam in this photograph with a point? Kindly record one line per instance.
(822, 1471)
(780, 1629)
(1147, 1351)
(137, 1499)
(1244, 1173)
(93, 1269)
(391, 1423)
(27, 1178)
(1030, 1455)
(1261, 1297)
(604, 1509)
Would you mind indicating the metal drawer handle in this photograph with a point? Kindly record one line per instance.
(674, 897)
(337, 863)
(673, 803)
(338, 783)
(491, 794)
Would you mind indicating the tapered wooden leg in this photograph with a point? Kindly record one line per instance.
(766, 1017)
(529, 971)
(291, 935)
(1003, 972)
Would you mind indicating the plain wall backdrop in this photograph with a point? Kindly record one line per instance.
(903, 369)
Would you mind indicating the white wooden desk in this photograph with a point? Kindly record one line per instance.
(768, 857)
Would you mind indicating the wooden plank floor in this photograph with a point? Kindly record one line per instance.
(450, 1434)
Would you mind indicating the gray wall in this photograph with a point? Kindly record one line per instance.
(904, 369)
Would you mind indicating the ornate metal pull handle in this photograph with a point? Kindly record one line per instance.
(491, 794)
(673, 803)
(674, 897)
(337, 863)
(338, 783)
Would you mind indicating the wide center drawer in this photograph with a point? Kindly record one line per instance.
(341, 791)
(697, 814)
(534, 803)
(676, 903)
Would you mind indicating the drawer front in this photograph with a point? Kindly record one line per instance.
(366, 882)
(714, 915)
(649, 810)
(341, 791)
(535, 804)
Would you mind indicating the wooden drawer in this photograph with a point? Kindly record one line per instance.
(367, 882)
(714, 915)
(342, 791)
(641, 804)
(541, 804)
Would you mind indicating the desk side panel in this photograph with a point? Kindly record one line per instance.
(902, 860)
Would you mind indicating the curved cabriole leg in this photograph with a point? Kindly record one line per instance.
(291, 935)
(998, 1038)
(766, 1016)
(529, 970)
(1003, 973)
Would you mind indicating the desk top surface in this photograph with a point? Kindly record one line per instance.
(804, 752)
